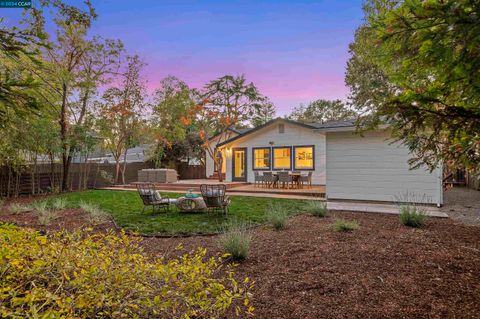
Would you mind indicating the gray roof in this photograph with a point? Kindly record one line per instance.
(334, 124)
(242, 130)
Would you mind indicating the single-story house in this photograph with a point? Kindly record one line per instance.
(351, 166)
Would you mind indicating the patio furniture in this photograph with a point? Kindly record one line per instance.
(190, 205)
(214, 197)
(260, 179)
(151, 197)
(306, 179)
(269, 179)
(285, 178)
(157, 175)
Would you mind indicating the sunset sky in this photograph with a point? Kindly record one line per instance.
(294, 51)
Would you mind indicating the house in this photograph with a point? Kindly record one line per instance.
(352, 167)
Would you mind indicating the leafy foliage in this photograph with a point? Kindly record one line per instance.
(342, 225)
(412, 216)
(415, 65)
(321, 111)
(108, 276)
(316, 208)
(263, 112)
(277, 216)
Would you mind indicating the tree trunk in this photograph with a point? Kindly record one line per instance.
(124, 165)
(219, 168)
(117, 169)
(66, 159)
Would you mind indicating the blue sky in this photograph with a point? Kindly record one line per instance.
(294, 51)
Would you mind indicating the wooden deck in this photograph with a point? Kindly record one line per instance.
(314, 191)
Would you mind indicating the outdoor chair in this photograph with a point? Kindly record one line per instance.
(260, 179)
(214, 197)
(151, 197)
(269, 179)
(285, 178)
(306, 179)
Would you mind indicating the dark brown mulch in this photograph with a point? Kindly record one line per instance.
(67, 219)
(381, 270)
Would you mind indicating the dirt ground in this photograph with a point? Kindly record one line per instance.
(381, 270)
(463, 205)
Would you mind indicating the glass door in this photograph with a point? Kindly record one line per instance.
(239, 164)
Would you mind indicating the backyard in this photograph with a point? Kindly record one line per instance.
(307, 269)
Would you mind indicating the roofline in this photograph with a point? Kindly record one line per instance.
(228, 129)
(265, 125)
(346, 128)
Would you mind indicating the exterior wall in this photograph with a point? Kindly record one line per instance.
(209, 164)
(370, 168)
(293, 135)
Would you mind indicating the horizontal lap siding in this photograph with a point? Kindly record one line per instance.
(294, 136)
(371, 168)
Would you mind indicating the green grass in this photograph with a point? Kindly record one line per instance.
(126, 209)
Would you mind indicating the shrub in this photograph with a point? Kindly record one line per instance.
(342, 225)
(77, 275)
(40, 205)
(45, 216)
(59, 203)
(17, 208)
(96, 214)
(316, 208)
(277, 216)
(236, 242)
(412, 216)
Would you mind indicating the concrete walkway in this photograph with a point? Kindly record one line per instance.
(379, 208)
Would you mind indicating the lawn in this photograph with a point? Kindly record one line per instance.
(126, 208)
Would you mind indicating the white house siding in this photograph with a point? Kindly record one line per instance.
(209, 164)
(294, 135)
(370, 168)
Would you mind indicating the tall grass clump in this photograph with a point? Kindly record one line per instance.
(96, 214)
(412, 216)
(59, 203)
(342, 225)
(17, 208)
(316, 208)
(236, 241)
(277, 216)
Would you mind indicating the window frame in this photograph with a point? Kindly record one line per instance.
(269, 158)
(295, 158)
(273, 159)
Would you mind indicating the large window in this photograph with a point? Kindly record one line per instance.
(261, 158)
(304, 157)
(282, 158)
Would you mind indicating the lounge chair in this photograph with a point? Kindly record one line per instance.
(214, 197)
(151, 197)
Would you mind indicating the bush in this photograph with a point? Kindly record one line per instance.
(17, 208)
(412, 216)
(77, 275)
(45, 216)
(40, 205)
(277, 216)
(316, 208)
(236, 242)
(96, 214)
(342, 225)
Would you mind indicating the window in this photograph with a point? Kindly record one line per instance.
(282, 158)
(261, 158)
(304, 157)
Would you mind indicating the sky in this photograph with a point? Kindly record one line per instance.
(293, 51)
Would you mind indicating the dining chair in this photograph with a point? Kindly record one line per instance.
(285, 178)
(269, 179)
(306, 179)
(258, 178)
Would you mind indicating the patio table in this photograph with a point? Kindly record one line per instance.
(295, 177)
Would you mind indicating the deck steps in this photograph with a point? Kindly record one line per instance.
(181, 187)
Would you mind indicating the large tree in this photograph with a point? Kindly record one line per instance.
(321, 111)
(416, 65)
(263, 112)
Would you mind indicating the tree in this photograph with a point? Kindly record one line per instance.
(119, 119)
(422, 64)
(321, 111)
(228, 101)
(263, 112)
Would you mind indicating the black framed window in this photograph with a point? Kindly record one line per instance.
(282, 158)
(261, 158)
(304, 157)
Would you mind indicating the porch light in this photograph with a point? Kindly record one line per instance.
(271, 143)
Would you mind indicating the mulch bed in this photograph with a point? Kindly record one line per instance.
(381, 270)
(309, 271)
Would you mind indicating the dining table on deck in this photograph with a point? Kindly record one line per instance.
(295, 177)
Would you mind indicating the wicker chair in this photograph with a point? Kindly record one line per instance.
(260, 179)
(269, 179)
(151, 197)
(214, 197)
(306, 179)
(285, 178)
